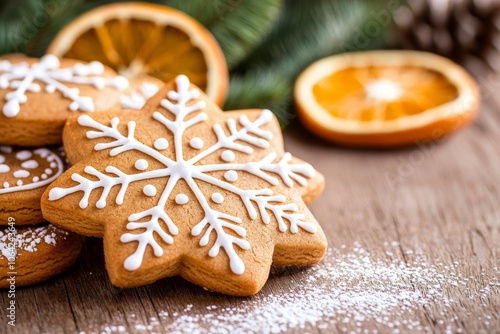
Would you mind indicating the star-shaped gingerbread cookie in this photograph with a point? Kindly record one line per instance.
(182, 188)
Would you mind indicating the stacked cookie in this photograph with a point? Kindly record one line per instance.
(174, 187)
(36, 97)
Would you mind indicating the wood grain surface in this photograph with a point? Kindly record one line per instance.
(441, 200)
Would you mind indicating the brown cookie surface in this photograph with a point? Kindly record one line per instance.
(34, 254)
(37, 95)
(25, 173)
(181, 188)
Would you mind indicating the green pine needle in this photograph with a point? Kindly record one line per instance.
(267, 43)
(260, 89)
(28, 26)
(58, 14)
(306, 32)
(312, 29)
(20, 22)
(238, 25)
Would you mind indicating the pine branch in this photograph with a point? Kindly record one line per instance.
(262, 90)
(314, 29)
(264, 63)
(20, 21)
(238, 25)
(306, 32)
(59, 14)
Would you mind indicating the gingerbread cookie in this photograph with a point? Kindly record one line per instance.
(139, 92)
(37, 95)
(181, 188)
(24, 175)
(30, 255)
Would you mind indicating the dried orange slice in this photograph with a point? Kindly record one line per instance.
(385, 98)
(138, 39)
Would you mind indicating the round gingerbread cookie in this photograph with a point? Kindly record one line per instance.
(38, 94)
(181, 188)
(29, 255)
(24, 175)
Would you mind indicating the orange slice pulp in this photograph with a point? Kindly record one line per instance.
(138, 39)
(385, 98)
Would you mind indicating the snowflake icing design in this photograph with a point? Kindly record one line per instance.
(244, 136)
(21, 77)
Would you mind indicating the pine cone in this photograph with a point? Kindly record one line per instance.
(467, 31)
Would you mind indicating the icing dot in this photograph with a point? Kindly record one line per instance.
(161, 144)
(2, 159)
(6, 184)
(11, 108)
(24, 155)
(141, 164)
(53, 165)
(19, 183)
(48, 171)
(149, 190)
(36, 179)
(196, 143)
(181, 199)
(217, 198)
(228, 156)
(231, 175)
(44, 176)
(20, 174)
(30, 164)
(4, 168)
(148, 89)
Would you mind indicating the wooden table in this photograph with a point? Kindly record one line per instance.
(422, 223)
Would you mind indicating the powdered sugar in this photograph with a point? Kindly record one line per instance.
(350, 291)
(112, 329)
(28, 239)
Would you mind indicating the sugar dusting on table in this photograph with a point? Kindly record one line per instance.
(349, 289)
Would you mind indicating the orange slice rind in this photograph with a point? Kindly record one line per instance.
(138, 39)
(385, 98)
